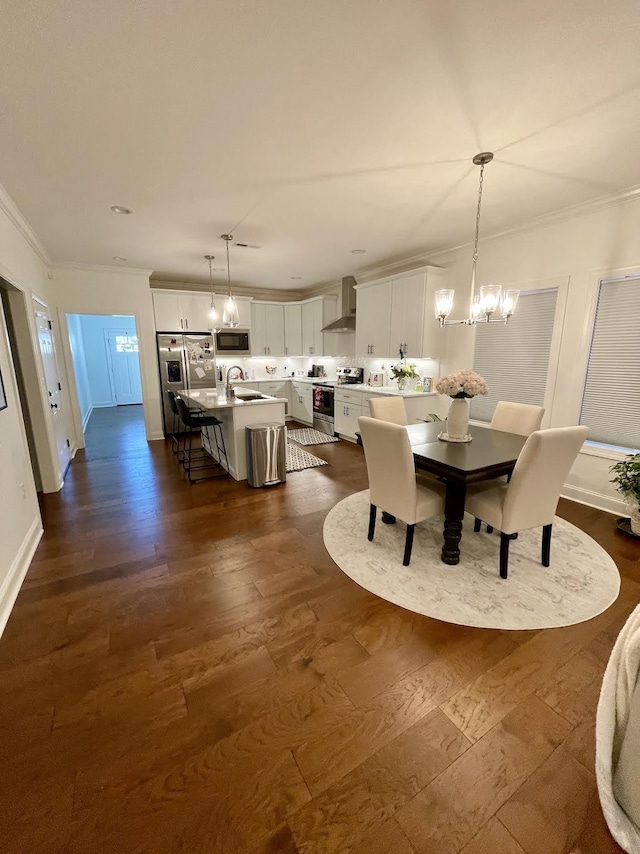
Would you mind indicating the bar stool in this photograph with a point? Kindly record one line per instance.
(190, 455)
(175, 440)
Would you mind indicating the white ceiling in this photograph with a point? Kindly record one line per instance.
(308, 128)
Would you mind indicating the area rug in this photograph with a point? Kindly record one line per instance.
(581, 582)
(309, 436)
(299, 460)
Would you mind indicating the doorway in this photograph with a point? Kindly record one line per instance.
(105, 355)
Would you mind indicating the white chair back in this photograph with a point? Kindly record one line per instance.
(390, 466)
(538, 477)
(389, 409)
(520, 418)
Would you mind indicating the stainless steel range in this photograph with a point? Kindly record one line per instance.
(323, 419)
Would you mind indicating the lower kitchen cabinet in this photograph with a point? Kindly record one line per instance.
(346, 418)
(301, 408)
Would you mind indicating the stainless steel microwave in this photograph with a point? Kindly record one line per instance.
(234, 341)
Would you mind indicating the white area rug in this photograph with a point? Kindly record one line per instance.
(309, 436)
(298, 460)
(581, 582)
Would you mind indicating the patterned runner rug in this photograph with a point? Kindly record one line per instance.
(309, 436)
(298, 460)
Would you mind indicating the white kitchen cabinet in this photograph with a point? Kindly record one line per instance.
(346, 418)
(166, 309)
(316, 314)
(398, 312)
(373, 316)
(407, 315)
(302, 402)
(267, 329)
(293, 329)
(188, 311)
(195, 312)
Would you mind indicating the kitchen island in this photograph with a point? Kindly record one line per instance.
(248, 408)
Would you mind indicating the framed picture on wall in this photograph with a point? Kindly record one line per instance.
(3, 399)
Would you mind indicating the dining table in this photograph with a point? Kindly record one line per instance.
(490, 454)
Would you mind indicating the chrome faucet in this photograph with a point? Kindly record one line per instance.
(230, 391)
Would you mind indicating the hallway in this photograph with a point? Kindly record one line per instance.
(187, 670)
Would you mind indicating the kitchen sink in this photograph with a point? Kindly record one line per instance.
(246, 397)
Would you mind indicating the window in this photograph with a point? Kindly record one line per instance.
(514, 359)
(126, 343)
(611, 401)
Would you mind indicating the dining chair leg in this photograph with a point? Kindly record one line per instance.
(489, 529)
(477, 525)
(372, 521)
(546, 544)
(505, 539)
(408, 544)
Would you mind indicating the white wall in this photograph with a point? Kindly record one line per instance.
(103, 290)
(578, 252)
(93, 327)
(80, 368)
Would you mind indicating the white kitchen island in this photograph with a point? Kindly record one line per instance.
(235, 414)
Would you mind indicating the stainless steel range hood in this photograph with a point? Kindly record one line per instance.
(347, 321)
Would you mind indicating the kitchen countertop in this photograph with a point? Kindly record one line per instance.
(392, 390)
(207, 398)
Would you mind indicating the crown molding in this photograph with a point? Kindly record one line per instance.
(11, 210)
(102, 268)
(257, 293)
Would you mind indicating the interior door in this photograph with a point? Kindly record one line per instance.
(124, 363)
(52, 380)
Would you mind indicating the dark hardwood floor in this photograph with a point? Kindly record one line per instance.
(187, 670)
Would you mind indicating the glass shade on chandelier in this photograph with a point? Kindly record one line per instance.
(212, 314)
(482, 306)
(230, 313)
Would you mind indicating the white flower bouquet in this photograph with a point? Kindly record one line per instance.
(464, 383)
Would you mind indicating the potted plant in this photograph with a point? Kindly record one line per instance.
(627, 481)
(404, 371)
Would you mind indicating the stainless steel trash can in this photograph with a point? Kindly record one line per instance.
(266, 454)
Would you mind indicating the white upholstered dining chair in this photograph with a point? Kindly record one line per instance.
(389, 409)
(520, 418)
(392, 479)
(530, 499)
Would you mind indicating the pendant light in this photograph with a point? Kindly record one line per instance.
(214, 317)
(482, 306)
(230, 315)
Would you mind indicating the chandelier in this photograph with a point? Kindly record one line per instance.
(230, 315)
(492, 298)
(213, 314)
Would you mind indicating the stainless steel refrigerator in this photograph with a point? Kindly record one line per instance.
(185, 361)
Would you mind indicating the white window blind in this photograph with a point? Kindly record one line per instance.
(611, 402)
(514, 359)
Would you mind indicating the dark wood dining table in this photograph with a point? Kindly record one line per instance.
(490, 454)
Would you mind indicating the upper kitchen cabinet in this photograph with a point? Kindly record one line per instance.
(316, 314)
(166, 309)
(293, 329)
(188, 311)
(267, 329)
(195, 312)
(373, 312)
(397, 314)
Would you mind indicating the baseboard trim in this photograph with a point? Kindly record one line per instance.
(86, 418)
(595, 499)
(13, 582)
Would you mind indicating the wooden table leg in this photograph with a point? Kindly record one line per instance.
(453, 514)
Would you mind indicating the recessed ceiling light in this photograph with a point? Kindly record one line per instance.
(296, 277)
(119, 258)
(358, 251)
(120, 209)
